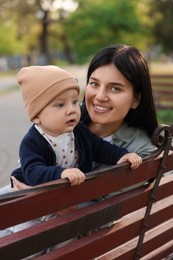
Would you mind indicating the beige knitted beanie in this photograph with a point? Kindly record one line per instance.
(41, 84)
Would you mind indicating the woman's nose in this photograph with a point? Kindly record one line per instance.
(101, 95)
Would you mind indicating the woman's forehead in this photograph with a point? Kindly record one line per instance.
(109, 74)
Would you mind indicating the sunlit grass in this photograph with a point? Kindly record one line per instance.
(165, 116)
(8, 90)
(161, 68)
(4, 74)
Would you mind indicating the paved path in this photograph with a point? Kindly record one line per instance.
(15, 123)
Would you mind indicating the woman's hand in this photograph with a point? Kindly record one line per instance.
(17, 185)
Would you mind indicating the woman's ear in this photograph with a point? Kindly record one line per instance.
(136, 101)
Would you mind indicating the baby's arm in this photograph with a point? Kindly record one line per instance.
(74, 175)
(133, 158)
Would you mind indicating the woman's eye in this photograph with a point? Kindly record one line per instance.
(115, 89)
(93, 84)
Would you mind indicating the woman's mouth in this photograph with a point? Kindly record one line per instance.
(101, 109)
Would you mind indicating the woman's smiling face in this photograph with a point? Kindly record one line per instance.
(109, 96)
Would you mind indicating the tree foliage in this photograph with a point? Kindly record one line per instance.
(47, 27)
(162, 14)
(9, 44)
(98, 23)
(38, 25)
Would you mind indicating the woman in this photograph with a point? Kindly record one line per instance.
(118, 104)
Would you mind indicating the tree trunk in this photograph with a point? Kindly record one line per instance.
(44, 51)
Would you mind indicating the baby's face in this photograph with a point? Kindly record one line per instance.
(61, 115)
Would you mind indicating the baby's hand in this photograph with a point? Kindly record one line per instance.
(74, 175)
(133, 158)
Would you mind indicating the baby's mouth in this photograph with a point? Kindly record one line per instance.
(71, 122)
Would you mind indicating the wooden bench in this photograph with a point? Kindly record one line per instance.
(143, 216)
(163, 90)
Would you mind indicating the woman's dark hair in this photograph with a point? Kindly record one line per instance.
(133, 66)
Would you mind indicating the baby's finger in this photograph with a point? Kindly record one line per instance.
(136, 162)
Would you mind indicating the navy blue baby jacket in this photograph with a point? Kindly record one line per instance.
(38, 159)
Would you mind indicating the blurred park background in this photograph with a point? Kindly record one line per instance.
(67, 33)
(71, 31)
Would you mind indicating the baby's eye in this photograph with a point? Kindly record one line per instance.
(60, 105)
(76, 102)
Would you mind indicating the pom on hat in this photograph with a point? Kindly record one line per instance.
(41, 84)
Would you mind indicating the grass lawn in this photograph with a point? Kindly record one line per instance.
(165, 116)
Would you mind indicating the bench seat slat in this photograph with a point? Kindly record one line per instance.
(106, 239)
(158, 236)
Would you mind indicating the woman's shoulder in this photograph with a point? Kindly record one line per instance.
(134, 140)
(127, 133)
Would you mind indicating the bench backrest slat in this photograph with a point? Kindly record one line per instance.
(70, 196)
